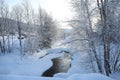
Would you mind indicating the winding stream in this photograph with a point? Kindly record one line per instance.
(60, 64)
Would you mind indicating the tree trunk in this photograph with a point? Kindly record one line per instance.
(20, 41)
(105, 33)
(91, 40)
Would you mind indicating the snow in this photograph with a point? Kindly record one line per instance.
(62, 75)
(115, 76)
(78, 64)
(32, 67)
(92, 76)
(18, 77)
(58, 50)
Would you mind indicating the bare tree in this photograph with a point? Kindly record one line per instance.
(108, 14)
(106, 28)
(85, 29)
(27, 8)
(3, 15)
(17, 12)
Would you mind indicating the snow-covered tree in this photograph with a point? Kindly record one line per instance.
(4, 12)
(18, 16)
(47, 29)
(95, 26)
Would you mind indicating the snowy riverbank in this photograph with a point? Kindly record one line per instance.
(30, 68)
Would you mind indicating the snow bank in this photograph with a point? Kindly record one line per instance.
(115, 76)
(18, 77)
(58, 50)
(62, 75)
(92, 76)
(78, 64)
(30, 66)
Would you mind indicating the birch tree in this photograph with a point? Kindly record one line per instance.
(85, 29)
(94, 25)
(108, 15)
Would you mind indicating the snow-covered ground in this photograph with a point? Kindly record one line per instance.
(91, 76)
(32, 67)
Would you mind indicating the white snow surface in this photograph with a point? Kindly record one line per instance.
(19, 77)
(32, 67)
(115, 76)
(78, 64)
(92, 76)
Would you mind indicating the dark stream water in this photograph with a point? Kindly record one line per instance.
(59, 65)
